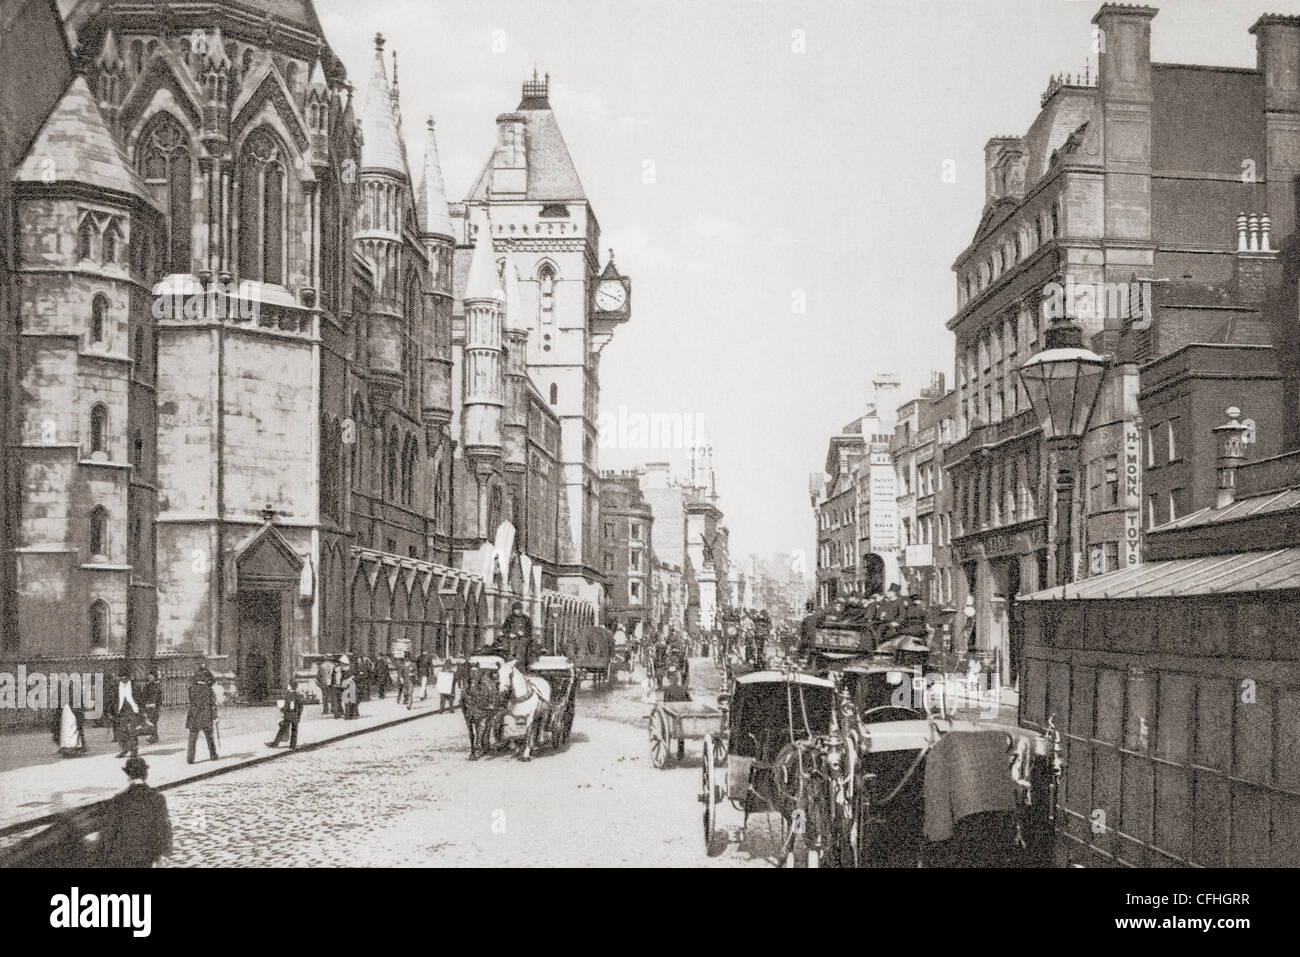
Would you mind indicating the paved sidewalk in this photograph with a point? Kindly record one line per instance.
(35, 781)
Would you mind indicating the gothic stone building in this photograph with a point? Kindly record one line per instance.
(241, 427)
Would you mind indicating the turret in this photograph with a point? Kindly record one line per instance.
(383, 184)
(436, 234)
(484, 386)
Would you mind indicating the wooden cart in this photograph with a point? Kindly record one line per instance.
(683, 721)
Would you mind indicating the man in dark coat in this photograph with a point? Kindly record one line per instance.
(202, 714)
(137, 829)
(807, 630)
(518, 631)
(151, 696)
(423, 672)
(290, 715)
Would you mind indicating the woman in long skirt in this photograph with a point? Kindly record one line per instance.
(72, 734)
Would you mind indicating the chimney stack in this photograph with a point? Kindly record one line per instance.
(1231, 453)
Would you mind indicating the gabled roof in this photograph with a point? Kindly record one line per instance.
(75, 144)
(552, 177)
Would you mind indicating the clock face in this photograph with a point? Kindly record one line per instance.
(610, 296)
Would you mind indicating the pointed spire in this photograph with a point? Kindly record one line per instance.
(515, 319)
(431, 199)
(482, 282)
(110, 57)
(216, 47)
(317, 80)
(382, 146)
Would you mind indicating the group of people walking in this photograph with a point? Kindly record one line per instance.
(344, 683)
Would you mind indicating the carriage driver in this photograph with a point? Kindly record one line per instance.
(518, 631)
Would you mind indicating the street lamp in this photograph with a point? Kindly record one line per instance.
(1063, 381)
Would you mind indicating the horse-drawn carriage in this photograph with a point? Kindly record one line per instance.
(532, 708)
(854, 767)
(683, 721)
(592, 653)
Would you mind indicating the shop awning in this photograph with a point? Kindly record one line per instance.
(1210, 575)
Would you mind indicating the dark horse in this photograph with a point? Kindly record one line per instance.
(481, 702)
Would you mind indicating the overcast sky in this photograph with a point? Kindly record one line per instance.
(776, 173)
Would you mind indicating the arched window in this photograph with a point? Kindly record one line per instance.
(410, 357)
(86, 234)
(555, 393)
(261, 208)
(112, 239)
(137, 57)
(438, 493)
(98, 318)
(494, 511)
(99, 532)
(99, 624)
(1019, 249)
(163, 157)
(546, 292)
(137, 448)
(1056, 222)
(99, 429)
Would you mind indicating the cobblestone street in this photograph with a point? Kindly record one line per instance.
(408, 796)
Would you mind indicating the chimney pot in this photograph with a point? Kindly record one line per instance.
(1231, 454)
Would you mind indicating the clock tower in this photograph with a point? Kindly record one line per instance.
(543, 226)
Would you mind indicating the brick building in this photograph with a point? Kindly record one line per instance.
(1126, 209)
(627, 534)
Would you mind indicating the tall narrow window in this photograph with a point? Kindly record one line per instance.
(555, 393)
(86, 233)
(137, 449)
(112, 239)
(330, 267)
(99, 531)
(164, 159)
(390, 462)
(546, 297)
(99, 430)
(99, 624)
(98, 318)
(261, 208)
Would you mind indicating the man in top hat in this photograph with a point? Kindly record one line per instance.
(202, 714)
(137, 829)
(290, 715)
(151, 696)
(518, 629)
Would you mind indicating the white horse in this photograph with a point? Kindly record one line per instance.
(530, 699)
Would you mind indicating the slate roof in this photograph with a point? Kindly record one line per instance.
(78, 142)
(552, 177)
(1209, 575)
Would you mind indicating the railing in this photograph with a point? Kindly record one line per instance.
(995, 433)
(175, 674)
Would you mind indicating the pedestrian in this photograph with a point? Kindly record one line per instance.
(70, 730)
(137, 829)
(324, 669)
(290, 715)
(127, 719)
(151, 696)
(202, 714)
(337, 667)
(349, 696)
(381, 676)
(422, 668)
(675, 691)
(407, 671)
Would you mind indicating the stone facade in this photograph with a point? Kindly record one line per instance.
(257, 415)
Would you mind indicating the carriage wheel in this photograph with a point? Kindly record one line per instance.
(709, 798)
(719, 751)
(568, 722)
(658, 739)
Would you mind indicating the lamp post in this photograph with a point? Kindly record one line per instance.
(1063, 381)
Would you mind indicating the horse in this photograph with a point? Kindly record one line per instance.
(481, 704)
(530, 699)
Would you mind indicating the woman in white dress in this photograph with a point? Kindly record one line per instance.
(72, 734)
